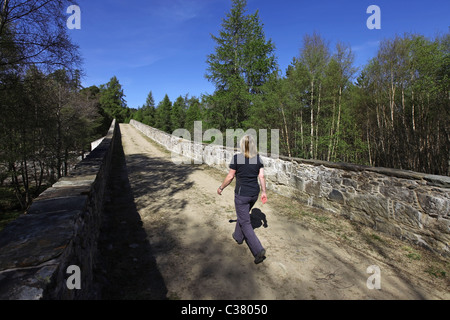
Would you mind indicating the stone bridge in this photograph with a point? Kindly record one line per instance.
(128, 217)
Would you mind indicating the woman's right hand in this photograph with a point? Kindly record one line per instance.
(264, 198)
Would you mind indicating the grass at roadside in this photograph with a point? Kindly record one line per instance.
(9, 208)
(402, 255)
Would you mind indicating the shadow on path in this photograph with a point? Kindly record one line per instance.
(258, 219)
(156, 182)
(126, 268)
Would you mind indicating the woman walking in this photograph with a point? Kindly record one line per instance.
(247, 167)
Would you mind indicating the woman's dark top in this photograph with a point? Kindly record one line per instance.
(247, 171)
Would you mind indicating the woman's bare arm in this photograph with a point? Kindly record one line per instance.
(262, 181)
(228, 179)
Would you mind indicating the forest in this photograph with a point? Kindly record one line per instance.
(47, 119)
(393, 112)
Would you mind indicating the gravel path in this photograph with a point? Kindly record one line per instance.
(167, 235)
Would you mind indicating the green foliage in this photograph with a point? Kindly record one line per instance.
(101, 120)
(178, 113)
(404, 94)
(46, 123)
(146, 114)
(241, 64)
(436, 272)
(148, 110)
(193, 113)
(163, 118)
(112, 100)
(396, 113)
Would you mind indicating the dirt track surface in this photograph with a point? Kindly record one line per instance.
(167, 235)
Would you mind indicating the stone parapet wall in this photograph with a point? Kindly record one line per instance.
(60, 229)
(409, 205)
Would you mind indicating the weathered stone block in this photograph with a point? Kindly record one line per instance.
(371, 204)
(312, 188)
(400, 193)
(443, 225)
(26, 284)
(386, 226)
(439, 181)
(358, 216)
(365, 185)
(296, 182)
(433, 206)
(64, 204)
(282, 178)
(336, 196)
(349, 183)
(407, 215)
(33, 240)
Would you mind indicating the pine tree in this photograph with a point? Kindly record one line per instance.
(112, 100)
(193, 113)
(163, 115)
(148, 111)
(241, 64)
(178, 114)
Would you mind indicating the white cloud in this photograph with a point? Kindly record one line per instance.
(179, 11)
(369, 45)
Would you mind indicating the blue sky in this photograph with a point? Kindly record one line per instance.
(162, 45)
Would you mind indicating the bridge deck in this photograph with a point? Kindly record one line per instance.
(168, 235)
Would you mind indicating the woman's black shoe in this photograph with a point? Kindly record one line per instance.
(260, 257)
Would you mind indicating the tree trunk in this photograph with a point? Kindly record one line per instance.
(392, 99)
(338, 125)
(3, 13)
(286, 130)
(368, 143)
(16, 185)
(330, 144)
(301, 131)
(311, 150)
(317, 123)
